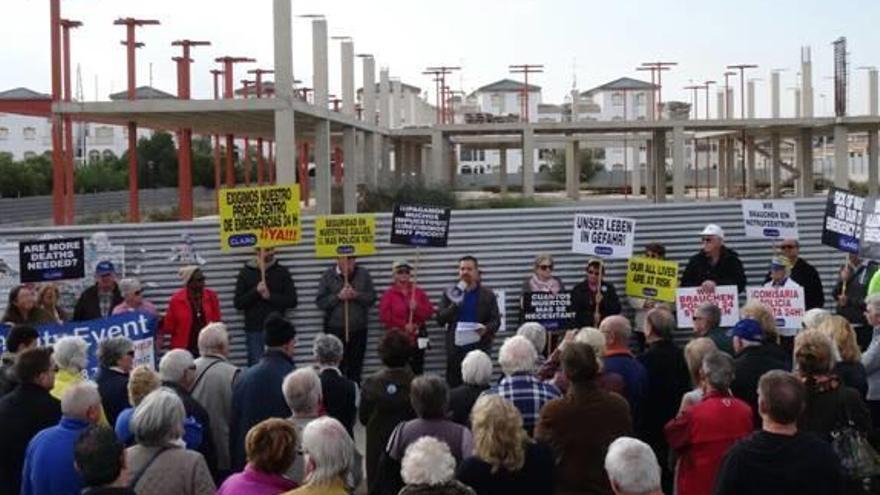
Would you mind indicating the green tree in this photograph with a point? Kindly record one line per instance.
(587, 165)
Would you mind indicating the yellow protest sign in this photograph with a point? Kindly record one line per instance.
(652, 278)
(264, 216)
(345, 235)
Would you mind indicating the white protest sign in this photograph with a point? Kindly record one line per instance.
(603, 236)
(770, 219)
(501, 299)
(787, 304)
(687, 299)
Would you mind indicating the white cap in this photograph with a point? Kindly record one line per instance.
(714, 230)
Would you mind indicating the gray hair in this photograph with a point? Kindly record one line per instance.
(111, 350)
(718, 370)
(595, 339)
(331, 450)
(815, 317)
(129, 285)
(158, 419)
(427, 461)
(476, 368)
(78, 398)
(711, 312)
(632, 467)
(302, 391)
(872, 303)
(617, 326)
(328, 349)
(71, 353)
(174, 364)
(536, 333)
(213, 338)
(517, 355)
(429, 396)
(662, 323)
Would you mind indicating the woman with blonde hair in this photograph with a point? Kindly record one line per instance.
(47, 298)
(849, 368)
(505, 461)
(694, 352)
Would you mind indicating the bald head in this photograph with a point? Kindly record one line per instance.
(616, 329)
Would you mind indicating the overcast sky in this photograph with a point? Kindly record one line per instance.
(590, 42)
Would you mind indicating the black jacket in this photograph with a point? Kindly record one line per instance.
(728, 270)
(807, 277)
(88, 307)
(328, 301)
(195, 410)
(668, 380)
(461, 401)
(583, 303)
(23, 413)
(113, 387)
(487, 314)
(8, 381)
(856, 289)
(282, 293)
(384, 404)
(340, 398)
(749, 365)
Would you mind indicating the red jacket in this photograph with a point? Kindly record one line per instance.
(394, 309)
(178, 317)
(701, 437)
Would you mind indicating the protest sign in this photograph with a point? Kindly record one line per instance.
(843, 220)
(8, 271)
(345, 235)
(553, 311)
(501, 299)
(652, 278)
(770, 219)
(265, 216)
(420, 225)
(687, 299)
(139, 327)
(787, 304)
(49, 260)
(869, 245)
(607, 237)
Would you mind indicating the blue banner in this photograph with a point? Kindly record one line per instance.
(139, 327)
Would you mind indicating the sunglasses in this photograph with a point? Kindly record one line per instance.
(592, 272)
(130, 353)
(198, 279)
(707, 239)
(137, 292)
(545, 267)
(788, 246)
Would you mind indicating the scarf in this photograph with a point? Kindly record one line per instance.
(538, 285)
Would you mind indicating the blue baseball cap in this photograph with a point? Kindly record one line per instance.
(104, 268)
(747, 329)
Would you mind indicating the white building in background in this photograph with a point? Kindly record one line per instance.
(27, 137)
(408, 109)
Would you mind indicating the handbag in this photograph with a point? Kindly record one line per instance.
(858, 459)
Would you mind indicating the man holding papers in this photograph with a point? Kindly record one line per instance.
(470, 312)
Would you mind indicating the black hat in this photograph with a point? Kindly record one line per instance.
(278, 331)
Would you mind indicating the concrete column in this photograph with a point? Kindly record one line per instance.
(721, 171)
(502, 170)
(841, 156)
(797, 104)
(774, 94)
(650, 161)
(775, 165)
(805, 163)
(751, 179)
(678, 163)
(398, 161)
(720, 104)
(572, 172)
(346, 49)
(285, 144)
(384, 99)
(419, 164)
(396, 105)
(349, 137)
(873, 175)
(439, 176)
(369, 92)
(320, 77)
(385, 158)
(728, 109)
(528, 162)
(369, 149)
(636, 170)
(807, 82)
(732, 166)
(750, 99)
(659, 179)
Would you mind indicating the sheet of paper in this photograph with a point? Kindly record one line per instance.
(466, 333)
(423, 342)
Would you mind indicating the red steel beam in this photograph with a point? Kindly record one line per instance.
(66, 26)
(184, 141)
(228, 93)
(57, 130)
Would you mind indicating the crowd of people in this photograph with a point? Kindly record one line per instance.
(614, 405)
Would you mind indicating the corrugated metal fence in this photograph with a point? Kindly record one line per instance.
(505, 242)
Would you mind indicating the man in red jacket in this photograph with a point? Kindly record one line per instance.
(702, 434)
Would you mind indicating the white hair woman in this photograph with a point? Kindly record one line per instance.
(428, 468)
(505, 459)
(71, 355)
(159, 463)
(303, 395)
(330, 458)
(537, 335)
(476, 373)
(632, 467)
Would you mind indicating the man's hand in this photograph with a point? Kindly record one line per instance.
(413, 304)
(649, 304)
(482, 330)
(263, 290)
(841, 300)
(411, 328)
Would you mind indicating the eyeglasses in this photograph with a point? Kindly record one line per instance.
(402, 271)
(788, 246)
(545, 267)
(130, 353)
(137, 292)
(592, 272)
(707, 239)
